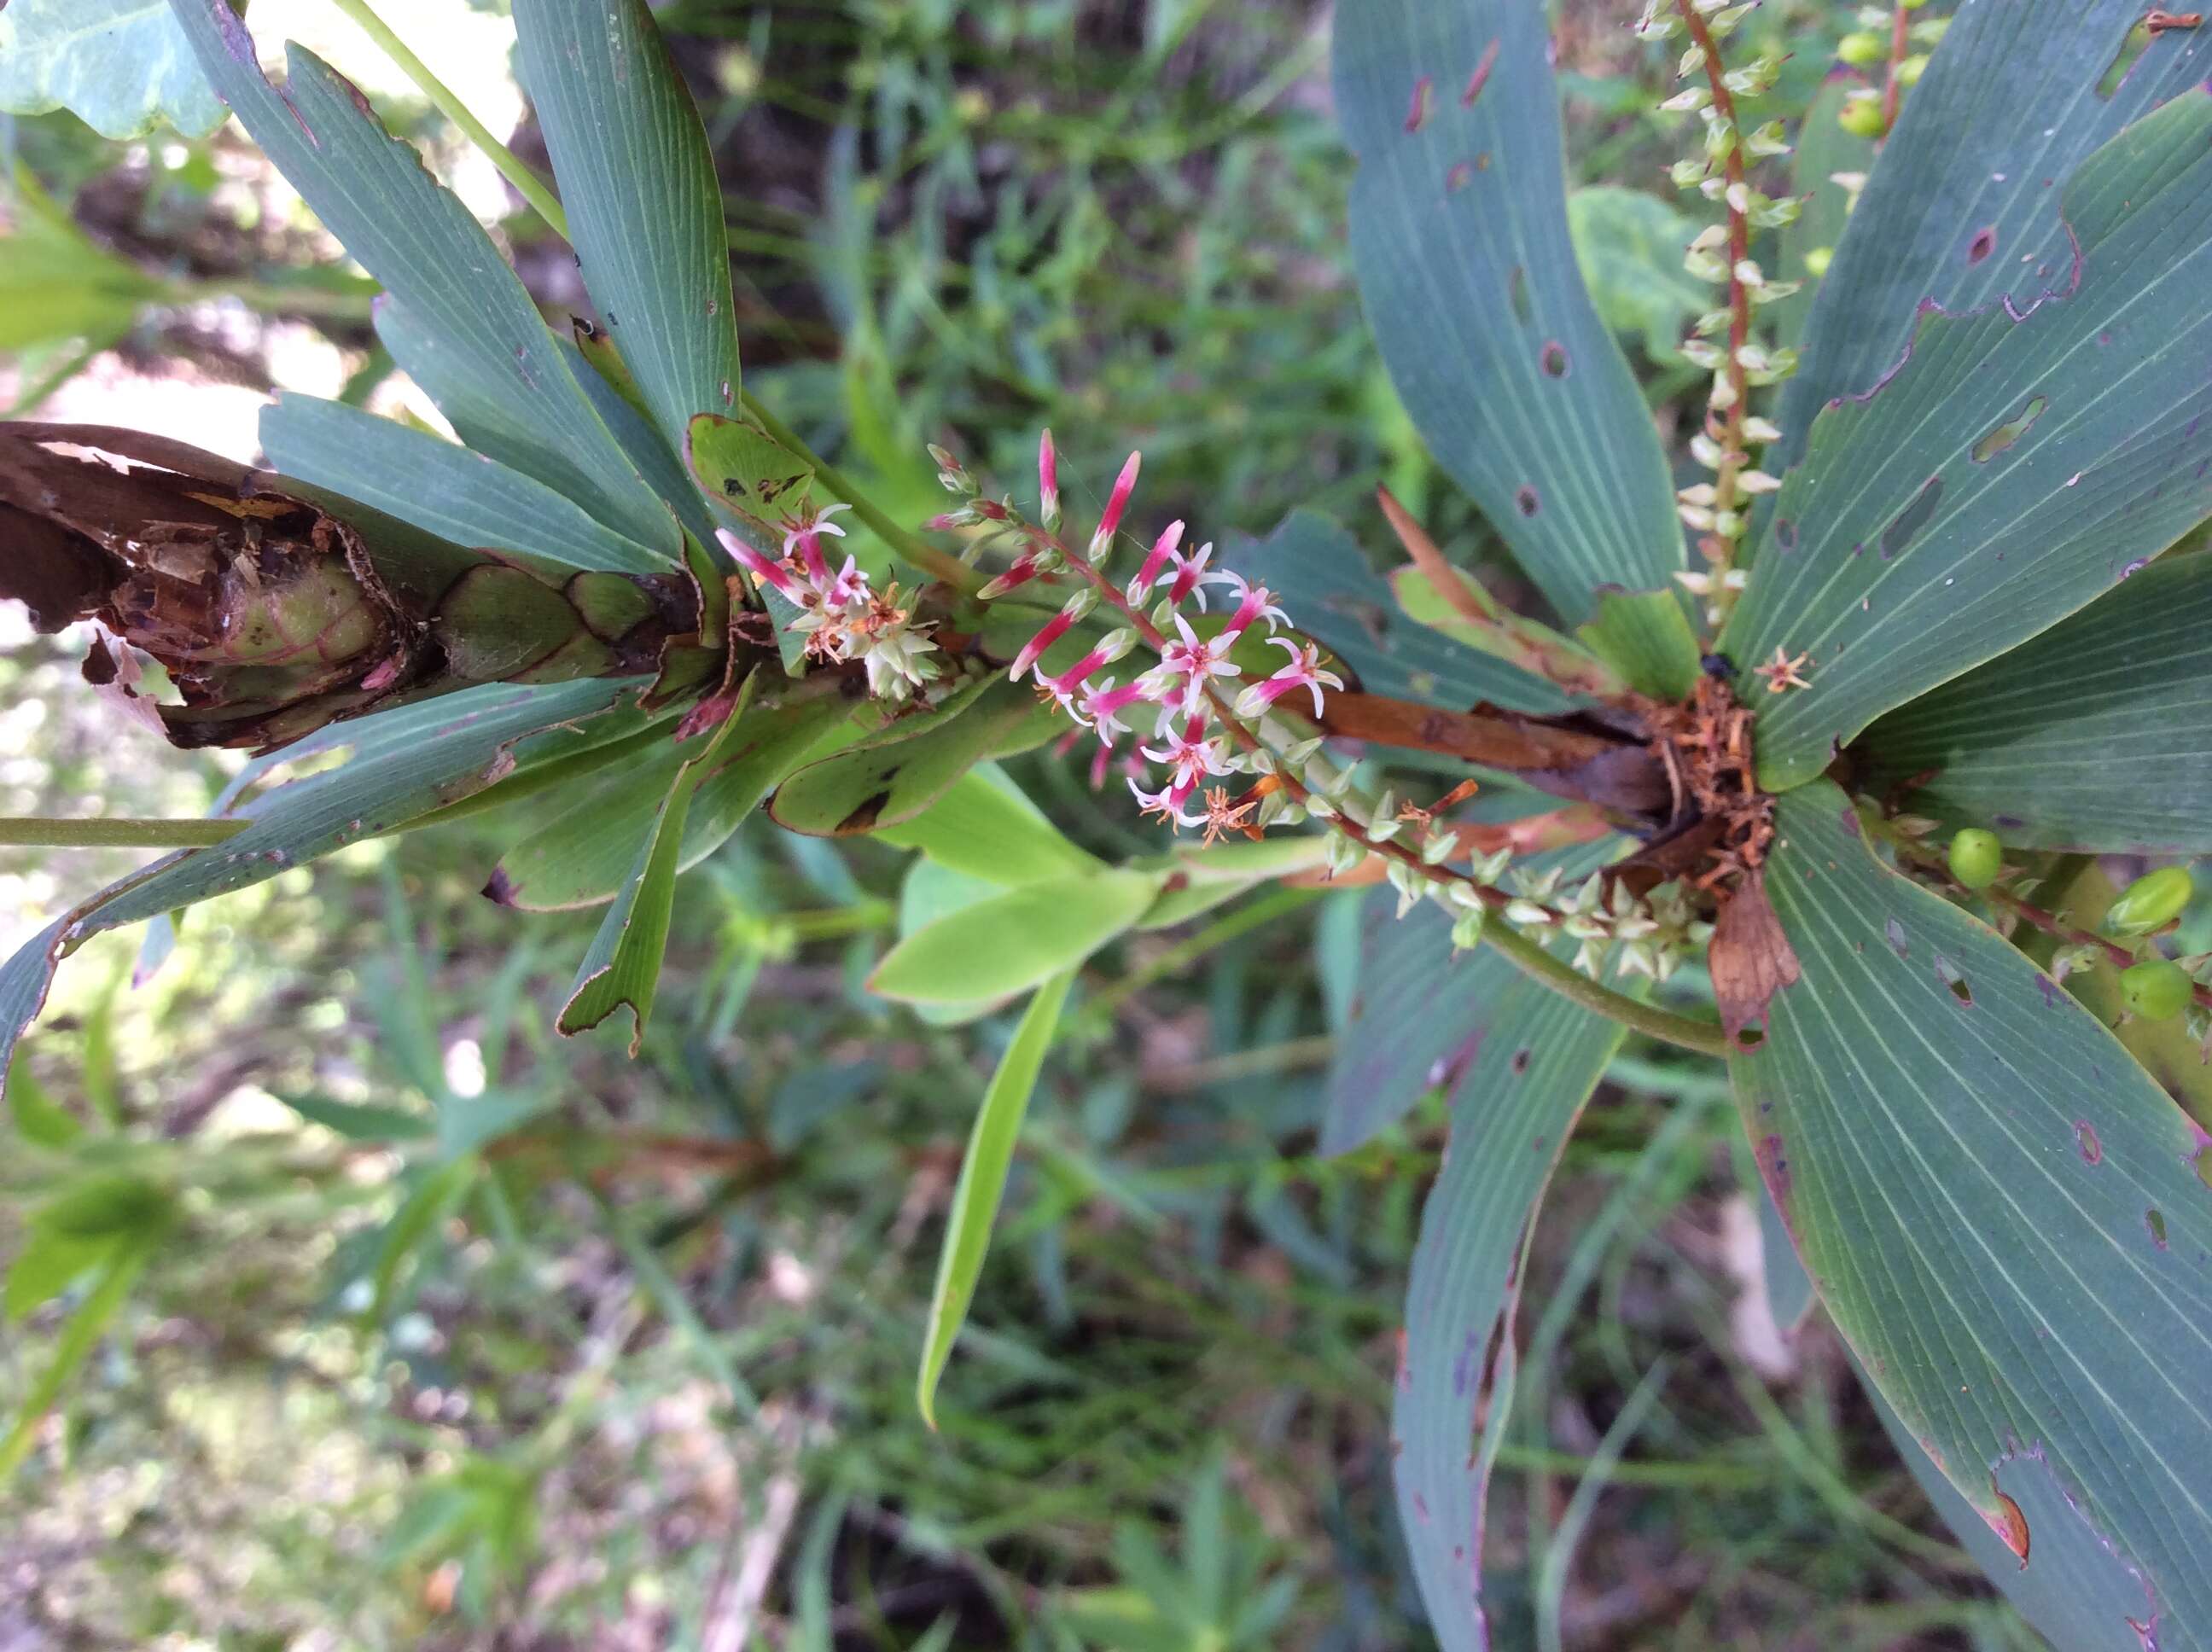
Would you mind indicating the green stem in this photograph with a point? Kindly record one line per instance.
(937, 564)
(1275, 904)
(1535, 962)
(524, 181)
(115, 833)
(282, 298)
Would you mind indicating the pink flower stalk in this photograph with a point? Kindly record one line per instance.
(1156, 559)
(1303, 672)
(1254, 602)
(1191, 575)
(1124, 485)
(1054, 628)
(1188, 665)
(763, 570)
(1047, 480)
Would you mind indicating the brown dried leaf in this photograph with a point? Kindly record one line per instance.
(1751, 958)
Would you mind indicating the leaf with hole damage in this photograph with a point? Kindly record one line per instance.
(2003, 1213)
(1961, 207)
(1909, 545)
(1014, 940)
(1460, 242)
(1514, 1103)
(2095, 735)
(461, 300)
(645, 207)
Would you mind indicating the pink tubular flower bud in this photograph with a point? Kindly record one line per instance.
(1048, 482)
(1124, 485)
(1054, 628)
(763, 570)
(1155, 561)
(1025, 569)
(1254, 602)
(1064, 686)
(1303, 672)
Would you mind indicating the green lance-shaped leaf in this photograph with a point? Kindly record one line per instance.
(1459, 236)
(1962, 209)
(1513, 1106)
(645, 208)
(57, 283)
(983, 1183)
(1324, 580)
(439, 266)
(2016, 464)
(622, 967)
(2006, 1217)
(123, 67)
(406, 763)
(126, 1256)
(1015, 940)
(459, 495)
(893, 776)
(2095, 735)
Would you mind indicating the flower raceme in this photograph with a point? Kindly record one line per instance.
(842, 617)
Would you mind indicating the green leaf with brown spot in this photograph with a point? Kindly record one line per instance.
(2002, 1212)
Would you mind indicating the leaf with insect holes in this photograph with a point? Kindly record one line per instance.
(644, 204)
(2016, 463)
(2078, 1592)
(123, 67)
(1962, 207)
(405, 763)
(1460, 241)
(1513, 1105)
(982, 1183)
(2095, 735)
(1016, 939)
(462, 497)
(2006, 1217)
(374, 194)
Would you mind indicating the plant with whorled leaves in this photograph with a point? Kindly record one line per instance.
(1932, 589)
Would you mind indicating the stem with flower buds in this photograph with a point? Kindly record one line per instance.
(1525, 954)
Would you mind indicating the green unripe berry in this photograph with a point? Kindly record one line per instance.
(1909, 71)
(1912, 5)
(2151, 902)
(2155, 990)
(1861, 115)
(1976, 858)
(1861, 47)
(1818, 260)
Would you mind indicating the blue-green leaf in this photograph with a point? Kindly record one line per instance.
(123, 67)
(2016, 463)
(463, 496)
(437, 265)
(1962, 208)
(2005, 1215)
(1459, 237)
(645, 208)
(1512, 1109)
(2095, 735)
